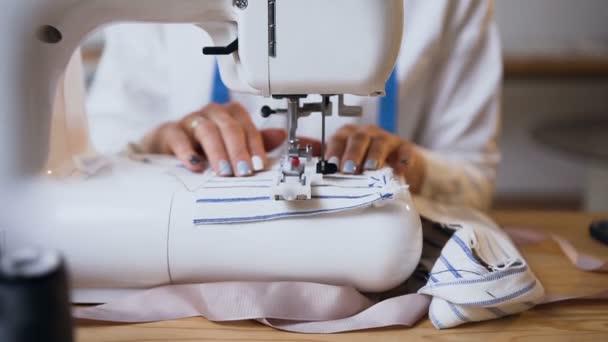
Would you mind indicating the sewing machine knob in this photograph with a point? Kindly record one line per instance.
(267, 111)
(222, 50)
(240, 4)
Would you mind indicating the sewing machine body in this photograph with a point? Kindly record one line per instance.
(123, 229)
(121, 235)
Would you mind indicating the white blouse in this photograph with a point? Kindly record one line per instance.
(449, 74)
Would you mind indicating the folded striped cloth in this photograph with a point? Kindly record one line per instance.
(476, 275)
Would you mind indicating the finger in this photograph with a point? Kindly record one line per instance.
(177, 142)
(356, 149)
(210, 138)
(252, 135)
(401, 158)
(407, 162)
(337, 144)
(380, 148)
(234, 138)
(273, 138)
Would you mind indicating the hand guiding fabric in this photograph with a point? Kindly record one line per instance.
(224, 134)
(227, 137)
(366, 148)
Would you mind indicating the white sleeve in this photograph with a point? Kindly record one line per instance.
(461, 120)
(129, 94)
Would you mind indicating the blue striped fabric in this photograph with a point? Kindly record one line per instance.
(237, 187)
(222, 198)
(233, 199)
(450, 267)
(468, 282)
(219, 91)
(231, 186)
(435, 321)
(496, 311)
(490, 277)
(268, 198)
(466, 250)
(279, 215)
(505, 298)
(387, 116)
(458, 313)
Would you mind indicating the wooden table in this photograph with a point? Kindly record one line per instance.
(556, 67)
(576, 320)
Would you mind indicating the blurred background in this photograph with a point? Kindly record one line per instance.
(555, 103)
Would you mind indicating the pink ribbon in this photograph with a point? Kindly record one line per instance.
(579, 259)
(293, 306)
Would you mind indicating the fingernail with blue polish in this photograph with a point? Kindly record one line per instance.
(194, 160)
(225, 168)
(243, 168)
(349, 167)
(370, 165)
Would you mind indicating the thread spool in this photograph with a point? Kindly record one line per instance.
(34, 299)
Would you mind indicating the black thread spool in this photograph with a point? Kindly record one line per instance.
(34, 299)
(599, 231)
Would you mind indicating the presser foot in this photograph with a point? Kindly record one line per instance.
(294, 179)
(297, 171)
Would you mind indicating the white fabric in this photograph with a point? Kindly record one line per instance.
(449, 75)
(233, 200)
(479, 274)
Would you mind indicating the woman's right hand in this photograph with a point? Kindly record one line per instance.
(225, 135)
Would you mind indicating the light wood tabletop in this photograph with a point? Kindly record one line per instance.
(576, 320)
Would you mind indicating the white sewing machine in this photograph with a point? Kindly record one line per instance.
(121, 229)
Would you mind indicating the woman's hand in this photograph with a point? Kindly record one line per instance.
(357, 148)
(224, 134)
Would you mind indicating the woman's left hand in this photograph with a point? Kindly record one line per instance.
(358, 148)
